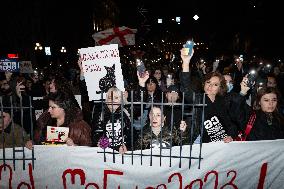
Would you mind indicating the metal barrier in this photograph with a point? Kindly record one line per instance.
(182, 105)
(17, 107)
(189, 115)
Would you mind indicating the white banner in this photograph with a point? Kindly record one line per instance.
(102, 69)
(235, 165)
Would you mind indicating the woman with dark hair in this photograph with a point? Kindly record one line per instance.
(149, 86)
(158, 74)
(57, 84)
(216, 124)
(60, 83)
(158, 135)
(148, 91)
(62, 112)
(268, 123)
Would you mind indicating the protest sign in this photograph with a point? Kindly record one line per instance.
(10, 65)
(102, 69)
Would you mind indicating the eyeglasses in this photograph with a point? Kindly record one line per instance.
(53, 107)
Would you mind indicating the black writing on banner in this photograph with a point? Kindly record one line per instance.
(103, 54)
(215, 129)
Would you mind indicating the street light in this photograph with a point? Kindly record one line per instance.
(63, 50)
(196, 17)
(38, 46)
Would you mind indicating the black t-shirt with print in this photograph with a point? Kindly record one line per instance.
(216, 124)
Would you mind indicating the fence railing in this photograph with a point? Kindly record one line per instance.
(189, 116)
(16, 108)
(187, 111)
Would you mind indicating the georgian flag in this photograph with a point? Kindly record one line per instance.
(122, 36)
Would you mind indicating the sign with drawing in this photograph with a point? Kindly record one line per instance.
(102, 69)
(56, 134)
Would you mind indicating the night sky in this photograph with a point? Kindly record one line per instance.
(69, 23)
(221, 20)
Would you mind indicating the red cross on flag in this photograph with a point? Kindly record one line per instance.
(122, 36)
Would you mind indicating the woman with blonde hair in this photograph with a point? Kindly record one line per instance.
(113, 123)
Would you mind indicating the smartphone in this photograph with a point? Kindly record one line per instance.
(169, 80)
(188, 46)
(251, 78)
(140, 66)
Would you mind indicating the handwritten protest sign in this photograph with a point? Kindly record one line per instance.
(102, 69)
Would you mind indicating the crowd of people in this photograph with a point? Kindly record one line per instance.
(223, 102)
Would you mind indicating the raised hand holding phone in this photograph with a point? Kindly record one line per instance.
(140, 67)
(186, 53)
(188, 48)
(251, 78)
(142, 78)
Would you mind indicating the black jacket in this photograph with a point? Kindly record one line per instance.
(141, 95)
(111, 125)
(267, 126)
(216, 124)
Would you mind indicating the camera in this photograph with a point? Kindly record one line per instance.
(140, 66)
(251, 78)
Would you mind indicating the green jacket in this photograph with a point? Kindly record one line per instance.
(13, 135)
